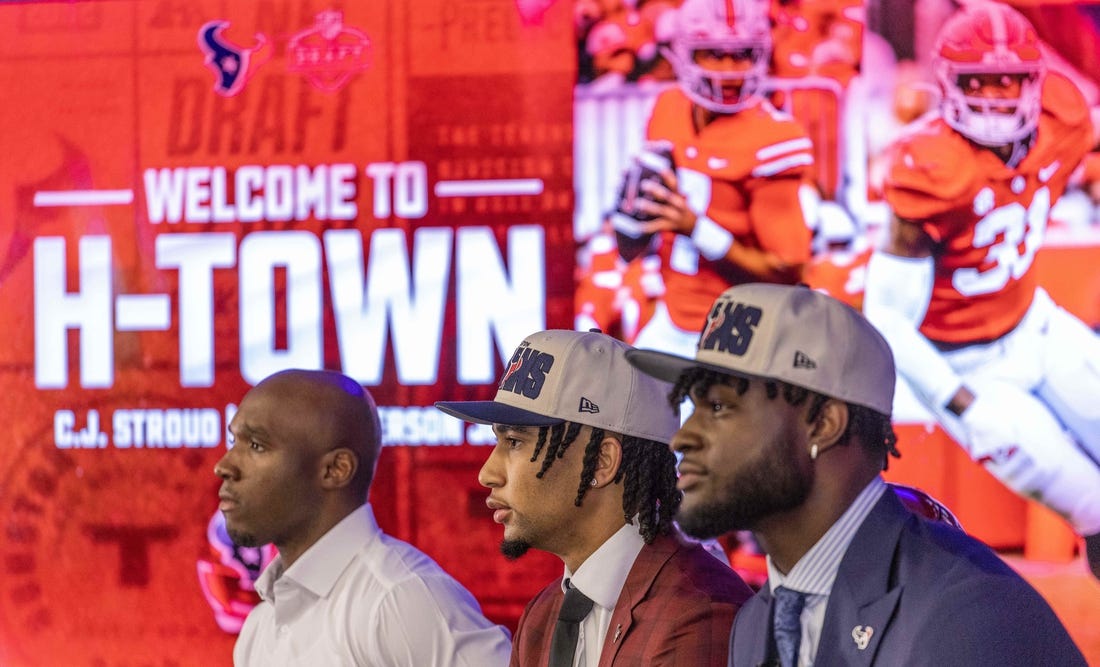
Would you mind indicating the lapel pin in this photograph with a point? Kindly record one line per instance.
(618, 631)
(862, 636)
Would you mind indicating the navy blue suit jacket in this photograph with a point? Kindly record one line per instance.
(919, 593)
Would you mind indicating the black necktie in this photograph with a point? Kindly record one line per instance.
(563, 645)
(787, 625)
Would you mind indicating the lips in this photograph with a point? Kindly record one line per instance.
(501, 511)
(227, 501)
(690, 475)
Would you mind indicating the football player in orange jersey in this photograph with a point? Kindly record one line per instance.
(1010, 375)
(718, 186)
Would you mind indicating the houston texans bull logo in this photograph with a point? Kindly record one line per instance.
(232, 65)
(729, 327)
(526, 371)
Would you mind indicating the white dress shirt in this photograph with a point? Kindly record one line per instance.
(601, 577)
(361, 597)
(815, 572)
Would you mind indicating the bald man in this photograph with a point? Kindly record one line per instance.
(303, 449)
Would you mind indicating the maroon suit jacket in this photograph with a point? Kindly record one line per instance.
(676, 608)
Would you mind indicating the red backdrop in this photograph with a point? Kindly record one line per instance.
(194, 194)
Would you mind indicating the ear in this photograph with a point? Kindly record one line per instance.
(830, 424)
(338, 468)
(608, 460)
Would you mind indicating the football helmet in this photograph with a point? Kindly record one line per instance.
(989, 39)
(723, 27)
(227, 576)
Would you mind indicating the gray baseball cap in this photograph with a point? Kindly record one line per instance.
(559, 375)
(788, 333)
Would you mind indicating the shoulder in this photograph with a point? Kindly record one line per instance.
(671, 113)
(1065, 127)
(768, 143)
(757, 127)
(681, 613)
(403, 576)
(928, 159)
(1063, 101)
(753, 609)
(418, 613)
(946, 584)
(964, 581)
(692, 576)
(392, 561)
(930, 166)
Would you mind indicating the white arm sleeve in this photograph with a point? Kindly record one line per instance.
(896, 299)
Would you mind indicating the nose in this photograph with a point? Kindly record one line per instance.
(490, 476)
(224, 468)
(686, 438)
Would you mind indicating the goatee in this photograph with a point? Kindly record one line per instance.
(513, 549)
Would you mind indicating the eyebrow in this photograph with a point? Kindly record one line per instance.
(248, 430)
(501, 429)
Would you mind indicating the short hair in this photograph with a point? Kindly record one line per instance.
(647, 473)
(871, 428)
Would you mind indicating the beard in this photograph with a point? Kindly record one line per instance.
(243, 539)
(513, 549)
(768, 486)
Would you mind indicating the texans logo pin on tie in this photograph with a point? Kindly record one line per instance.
(862, 636)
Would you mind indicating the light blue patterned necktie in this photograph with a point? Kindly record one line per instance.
(787, 626)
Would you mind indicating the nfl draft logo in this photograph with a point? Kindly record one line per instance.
(329, 53)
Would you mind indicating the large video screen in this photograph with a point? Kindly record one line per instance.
(196, 195)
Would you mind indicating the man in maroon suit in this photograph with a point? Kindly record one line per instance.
(582, 469)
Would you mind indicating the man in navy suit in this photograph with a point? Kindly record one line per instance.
(793, 392)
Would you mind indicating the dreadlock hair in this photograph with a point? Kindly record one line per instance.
(647, 473)
(871, 428)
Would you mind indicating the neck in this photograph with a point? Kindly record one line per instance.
(600, 517)
(788, 536)
(575, 556)
(291, 549)
(701, 117)
(1012, 154)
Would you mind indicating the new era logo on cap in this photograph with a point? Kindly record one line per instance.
(588, 406)
(803, 360)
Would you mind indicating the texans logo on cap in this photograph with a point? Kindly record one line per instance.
(730, 327)
(527, 371)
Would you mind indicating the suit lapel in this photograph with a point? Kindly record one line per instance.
(649, 562)
(752, 630)
(864, 598)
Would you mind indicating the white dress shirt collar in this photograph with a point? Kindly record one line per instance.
(320, 566)
(602, 575)
(816, 571)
